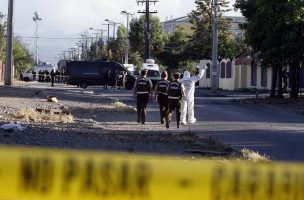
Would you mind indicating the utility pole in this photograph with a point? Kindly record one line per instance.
(147, 25)
(214, 68)
(127, 37)
(8, 75)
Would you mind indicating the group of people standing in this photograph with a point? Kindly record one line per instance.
(176, 95)
(114, 79)
(43, 75)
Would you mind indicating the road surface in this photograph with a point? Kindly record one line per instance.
(277, 134)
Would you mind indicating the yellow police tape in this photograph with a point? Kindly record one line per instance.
(32, 174)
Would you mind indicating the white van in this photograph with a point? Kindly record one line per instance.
(153, 70)
(28, 75)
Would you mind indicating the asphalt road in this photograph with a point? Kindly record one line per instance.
(277, 134)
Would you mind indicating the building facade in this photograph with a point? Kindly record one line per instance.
(183, 23)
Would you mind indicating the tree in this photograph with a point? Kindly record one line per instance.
(21, 56)
(117, 46)
(137, 32)
(279, 45)
(2, 38)
(172, 53)
(201, 40)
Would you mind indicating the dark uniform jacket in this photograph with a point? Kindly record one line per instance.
(162, 87)
(175, 90)
(143, 86)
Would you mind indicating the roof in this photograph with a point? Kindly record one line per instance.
(246, 57)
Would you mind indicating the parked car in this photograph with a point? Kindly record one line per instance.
(85, 73)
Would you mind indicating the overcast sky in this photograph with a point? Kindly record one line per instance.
(69, 18)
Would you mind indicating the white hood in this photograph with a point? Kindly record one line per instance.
(186, 75)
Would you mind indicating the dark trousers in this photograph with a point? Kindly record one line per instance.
(52, 80)
(163, 106)
(174, 104)
(142, 101)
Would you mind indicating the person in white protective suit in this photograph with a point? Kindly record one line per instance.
(188, 101)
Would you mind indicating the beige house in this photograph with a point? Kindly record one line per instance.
(242, 73)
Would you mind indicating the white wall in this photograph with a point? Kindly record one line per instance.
(204, 82)
(240, 77)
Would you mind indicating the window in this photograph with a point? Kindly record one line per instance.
(264, 77)
(229, 69)
(153, 73)
(223, 70)
(253, 74)
(208, 70)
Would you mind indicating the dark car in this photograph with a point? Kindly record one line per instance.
(85, 73)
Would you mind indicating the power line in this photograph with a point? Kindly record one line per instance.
(50, 38)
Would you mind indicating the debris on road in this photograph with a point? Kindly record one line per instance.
(52, 99)
(12, 127)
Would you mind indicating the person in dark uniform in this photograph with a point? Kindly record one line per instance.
(57, 76)
(175, 93)
(107, 76)
(52, 77)
(39, 76)
(162, 96)
(46, 77)
(114, 80)
(34, 75)
(142, 89)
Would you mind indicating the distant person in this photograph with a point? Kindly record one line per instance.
(106, 79)
(21, 75)
(115, 80)
(162, 96)
(57, 76)
(52, 77)
(39, 76)
(43, 74)
(122, 84)
(285, 76)
(175, 94)
(142, 90)
(34, 75)
(47, 78)
(188, 100)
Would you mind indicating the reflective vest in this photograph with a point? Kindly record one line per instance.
(175, 90)
(143, 86)
(162, 87)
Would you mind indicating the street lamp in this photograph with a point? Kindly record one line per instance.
(107, 20)
(36, 18)
(114, 25)
(127, 38)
